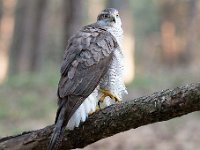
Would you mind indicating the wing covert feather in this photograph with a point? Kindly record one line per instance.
(86, 60)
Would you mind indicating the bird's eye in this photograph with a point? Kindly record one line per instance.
(106, 16)
(117, 15)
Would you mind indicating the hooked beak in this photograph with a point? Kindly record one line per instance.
(113, 19)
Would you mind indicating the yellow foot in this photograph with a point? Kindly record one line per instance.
(108, 93)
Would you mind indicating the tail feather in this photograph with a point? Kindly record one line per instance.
(67, 107)
(58, 131)
(55, 140)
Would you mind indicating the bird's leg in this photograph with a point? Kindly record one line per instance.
(107, 93)
(104, 94)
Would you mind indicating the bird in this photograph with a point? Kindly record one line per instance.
(91, 73)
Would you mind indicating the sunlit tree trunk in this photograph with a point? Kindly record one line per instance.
(6, 26)
(169, 38)
(179, 31)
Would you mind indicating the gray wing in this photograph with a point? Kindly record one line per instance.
(86, 60)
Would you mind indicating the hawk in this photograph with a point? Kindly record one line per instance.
(91, 73)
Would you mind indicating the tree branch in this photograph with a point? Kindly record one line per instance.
(160, 106)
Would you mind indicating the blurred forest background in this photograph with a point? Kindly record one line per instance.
(161, 47)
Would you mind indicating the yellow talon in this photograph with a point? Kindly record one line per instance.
(108, 93)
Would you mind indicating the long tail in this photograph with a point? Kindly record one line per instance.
(66, 109)
(58, 132)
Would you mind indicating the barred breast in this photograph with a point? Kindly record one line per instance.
(113, 80)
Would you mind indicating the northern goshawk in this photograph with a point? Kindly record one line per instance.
(91, 73)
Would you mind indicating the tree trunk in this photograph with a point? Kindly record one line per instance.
(1, 14)
(168, 27)
(192, 33)
(179, 31)
(6, 28)
(73, 18)
(18, 36)
(38, 10)
(160, 106)
(25, 54)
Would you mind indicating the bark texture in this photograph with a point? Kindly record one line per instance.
(160, 106)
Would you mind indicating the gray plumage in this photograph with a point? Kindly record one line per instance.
(87, 66)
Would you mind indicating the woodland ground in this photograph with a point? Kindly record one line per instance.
(29, 102)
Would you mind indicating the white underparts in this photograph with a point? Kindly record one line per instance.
(81, 114)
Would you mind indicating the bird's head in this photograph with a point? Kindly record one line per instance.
(109, 17)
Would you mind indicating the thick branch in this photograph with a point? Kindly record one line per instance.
(160, 106)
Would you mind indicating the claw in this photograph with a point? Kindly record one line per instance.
(106, 93)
